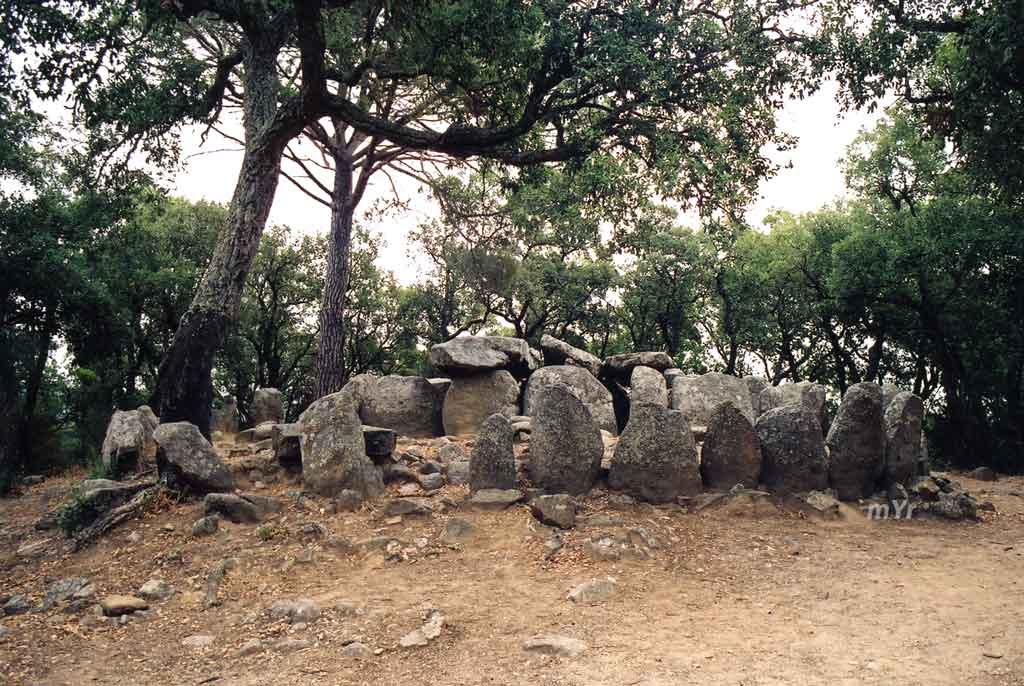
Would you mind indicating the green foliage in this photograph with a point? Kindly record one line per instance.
(75, 513)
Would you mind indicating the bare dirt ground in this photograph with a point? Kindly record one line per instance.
(747, 597)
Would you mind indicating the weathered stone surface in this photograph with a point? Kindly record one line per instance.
(904, 415)
(455, 530)
(656, 458)
(297, 611)
(731, 453)
(225, 417)
(621, 366)
(495, 499)
(472, 399)
(473, 354)
(584, 386)
(206, 526)
(156, 589)
(756, 386)
(856, 443)
(793, 450)
(267, 406)
(555, 510)
(187, 460)
(557, 352)
(17, 604)
(333, 449)
(560, 646)
(117, 605)
(379, 442)
(407, 405)
(647, 385)
(287, 445)
(593, 591)
(430, 630)
(64, 590)
(125, 442)
(407, 506)
(697, 396)
(492, 462)
(457, 472)
(241, 507)
(566, 445)
(810, 395)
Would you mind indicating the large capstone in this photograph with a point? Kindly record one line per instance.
(472, 354)
(810, 395)
(124, 445)
(621, 366)
(731, 453)
(333, 452)
(566, 445)
(559, 352)
(697, 396)
(472, 399)
(267, 406)
(655, 459)
(583, 384)
(492, 462)
(405, 404)
(856, 442)
(186, 460)
(903, 418)
(793, 450)
(647, 385)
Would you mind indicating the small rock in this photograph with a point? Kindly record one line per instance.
(118, 605)
(983, 474)
(555, 645)
(300, 610)
(135, 538)
(593, 591)
(430, 467)
(495, 499)
(250, 647)
(156, 589)
(290, 645)
(198, 641)
(458, 472)
(17, 605)
(206, 526)
(555, 510)
(621, 501)
(456, 530)
(409, 490)
(32, 549)
(407, 506)
(33, 479)
(430, 630)
(348, 500)
(357, 651)
(66, 589)
(240, 508)
(432, 481)
(313, 530)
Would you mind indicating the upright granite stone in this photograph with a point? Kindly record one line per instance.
(856, 442)
(583, 384)
(756, 386)
(793, 450)
(731, 453)
(405, 404)
(805, 393)
(333, 450)
(124, 445)
(697, 396)
(621, 366)
(566, 445)
(558, 352)
(267, 406)
(225, 417)
(655, 459)
(474, 354)
(647, 385)
(186, 460)
(472, 399)
(492, 463)
(149, 423)
(903, 418)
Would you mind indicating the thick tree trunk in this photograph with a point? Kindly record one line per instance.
(330, 356)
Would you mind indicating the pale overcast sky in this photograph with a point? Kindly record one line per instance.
(813, 180)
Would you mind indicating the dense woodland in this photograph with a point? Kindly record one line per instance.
(561, 142)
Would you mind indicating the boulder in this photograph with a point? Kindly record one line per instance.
(903, 417)
(810, 395)
(554, 510)
(333, 449)
(655, 459)
(267, 406)
(407, 405)
(492, 462)
(793, 450)
(566, 445)
(647, 385)
(621, 366)
(225, 417)
(697, 396)
(472, 399)
(731, 453)
(756, 386)
(583, 384)
(558, 352)
(186, 460)
(124, 444)
(473, 354)
(856, 443)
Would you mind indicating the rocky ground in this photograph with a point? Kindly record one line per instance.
(744, 592)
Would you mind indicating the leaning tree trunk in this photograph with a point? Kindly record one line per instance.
(330, 356)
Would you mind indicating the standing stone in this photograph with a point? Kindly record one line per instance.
(149, 423)
(731, 453)
(647, 385)
(756, 386)
(584, 386)
(225, 417)
(405, 404)
(793, 450)
(125, 442)
(473, 354)
(656, 458)
(810, 395)
(566, 445)
(267, 406)
(187, 460)
(559, 352)
(472, 399)
(492, 463)
(697, 396)
(903, 417)
(333, 450)
(856, 442)
(621, 366)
